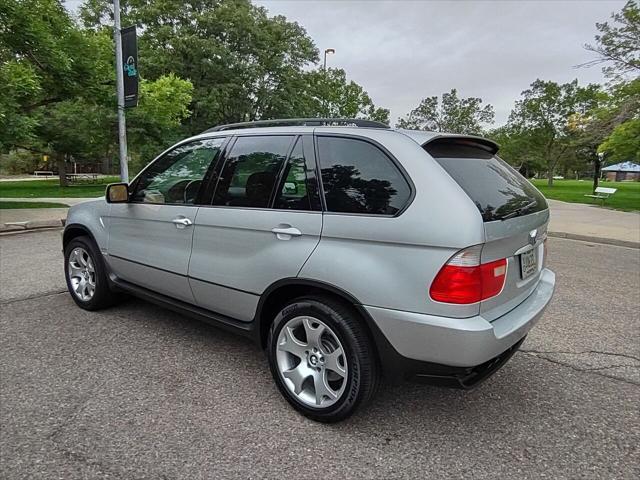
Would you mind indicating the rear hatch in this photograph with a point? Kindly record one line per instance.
(514, 212)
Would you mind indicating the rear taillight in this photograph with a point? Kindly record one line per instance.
(465, 280)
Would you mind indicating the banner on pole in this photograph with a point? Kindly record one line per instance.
(130, 65)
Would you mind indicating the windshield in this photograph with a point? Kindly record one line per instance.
(498, 190)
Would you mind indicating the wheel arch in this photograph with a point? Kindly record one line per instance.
(74, 230)
(282, 291)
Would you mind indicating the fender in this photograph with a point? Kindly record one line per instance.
(388, 357)
(67, 235)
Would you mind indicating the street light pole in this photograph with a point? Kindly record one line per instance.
(328, 50)
(122, 128)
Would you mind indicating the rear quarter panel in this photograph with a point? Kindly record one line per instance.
(390, 262)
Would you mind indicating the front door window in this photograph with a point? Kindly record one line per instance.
(176, 177)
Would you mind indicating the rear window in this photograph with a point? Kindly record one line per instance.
(498, 190)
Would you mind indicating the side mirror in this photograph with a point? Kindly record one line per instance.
(117, 193)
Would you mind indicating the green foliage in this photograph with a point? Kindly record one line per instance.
(52, 189)
(242, 63)
(626, 198)
(624, 142)
(20, 161)
(547, 118)
(329, 94)
(618, 43)
(453, 114)
(57, 88)
(157, 121)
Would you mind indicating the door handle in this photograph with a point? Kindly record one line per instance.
(182, 222)
(286, 232)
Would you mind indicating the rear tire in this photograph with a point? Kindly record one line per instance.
(86, 275)
(322, 358)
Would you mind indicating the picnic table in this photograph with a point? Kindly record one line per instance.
(40, 173)
(77, 177)
(602, 193)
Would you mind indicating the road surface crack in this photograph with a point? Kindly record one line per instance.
(584, 352)
(595, 371)
(32, 297)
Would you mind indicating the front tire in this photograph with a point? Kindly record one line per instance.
(86, 275)
(322, 359)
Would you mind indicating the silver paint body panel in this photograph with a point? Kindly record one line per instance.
(229, 257)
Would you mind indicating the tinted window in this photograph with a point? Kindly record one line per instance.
(498, 190)
(176, 177)
(251, 171)
(358, 177)
(298, 189)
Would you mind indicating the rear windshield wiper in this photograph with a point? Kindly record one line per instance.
(519, 211)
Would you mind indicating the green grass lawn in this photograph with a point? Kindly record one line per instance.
(15, 205)
(626, 198)
(51, 188)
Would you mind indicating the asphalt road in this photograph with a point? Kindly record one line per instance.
(139, 392)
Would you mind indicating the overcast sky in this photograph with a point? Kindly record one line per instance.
(403, 51)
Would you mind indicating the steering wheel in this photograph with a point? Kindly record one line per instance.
(191, 190)
(177, 191)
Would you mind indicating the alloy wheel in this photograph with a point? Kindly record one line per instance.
(82, 274)
(311, 361)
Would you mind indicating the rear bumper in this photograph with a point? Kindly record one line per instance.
(469, 343)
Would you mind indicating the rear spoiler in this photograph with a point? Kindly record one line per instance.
(467, 140)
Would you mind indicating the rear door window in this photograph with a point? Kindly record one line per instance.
(498, 190)
(298, 189)
(359, 177)
(251, 171)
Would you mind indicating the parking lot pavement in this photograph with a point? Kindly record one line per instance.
(140, 392)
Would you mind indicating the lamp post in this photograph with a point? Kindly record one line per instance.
(327, 51)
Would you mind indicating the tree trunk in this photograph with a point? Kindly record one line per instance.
(550, 177)
(62, 170)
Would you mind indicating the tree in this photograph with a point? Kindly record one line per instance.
(544, 117)
(516, 149)
(243, 64)
(328, 93)
(57, 89)
(452, 114)
(46, 60)
(624, 142)
(618, 44)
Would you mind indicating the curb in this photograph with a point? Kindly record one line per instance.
(31, 225)
(587, 238)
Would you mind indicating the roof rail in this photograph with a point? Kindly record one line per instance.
(312, 122)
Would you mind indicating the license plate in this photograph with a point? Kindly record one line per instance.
(528, 264)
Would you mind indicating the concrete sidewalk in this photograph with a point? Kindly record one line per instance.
(20, 219)
(568, 220)
(64, 200)
(596, 224)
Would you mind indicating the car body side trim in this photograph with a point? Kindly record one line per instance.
(186, 276)
(231, 324)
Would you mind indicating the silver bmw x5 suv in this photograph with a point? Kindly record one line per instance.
(348, 250)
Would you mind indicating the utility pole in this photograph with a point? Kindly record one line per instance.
(122, 128)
